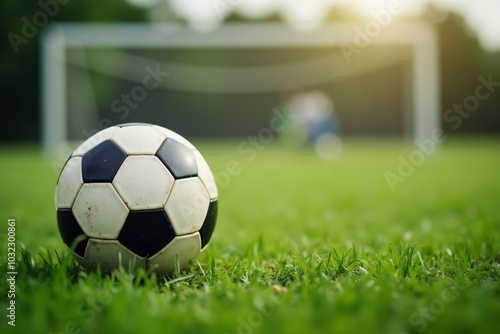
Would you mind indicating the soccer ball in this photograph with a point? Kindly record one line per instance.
(136, 194)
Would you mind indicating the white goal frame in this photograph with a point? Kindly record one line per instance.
(422, 82)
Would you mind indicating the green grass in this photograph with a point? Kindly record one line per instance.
(301, 246)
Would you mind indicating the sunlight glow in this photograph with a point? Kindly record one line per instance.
(480, 15)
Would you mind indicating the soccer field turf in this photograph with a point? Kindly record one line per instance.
(301, 246)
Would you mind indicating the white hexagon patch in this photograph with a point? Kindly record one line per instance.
(110, 254)
(100, 211)
(180, 250)
(79, 259)
(143, 182)
(206, 176)
(142, 139)
(70, 181)
(187, 205)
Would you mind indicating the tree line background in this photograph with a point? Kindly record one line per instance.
(462, 61)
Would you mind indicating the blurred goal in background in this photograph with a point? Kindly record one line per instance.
(225, 83)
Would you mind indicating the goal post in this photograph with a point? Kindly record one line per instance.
(421, 110)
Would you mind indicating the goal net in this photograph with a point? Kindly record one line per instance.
(226, 83)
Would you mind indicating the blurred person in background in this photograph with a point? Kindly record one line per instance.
(312, 122)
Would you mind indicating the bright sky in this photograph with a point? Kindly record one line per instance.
(482, 16)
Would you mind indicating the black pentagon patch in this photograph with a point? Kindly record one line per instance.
(207, 229)
(101, 163)
(70, 230)
(146, 232)
(132, 124)
(178, 158)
